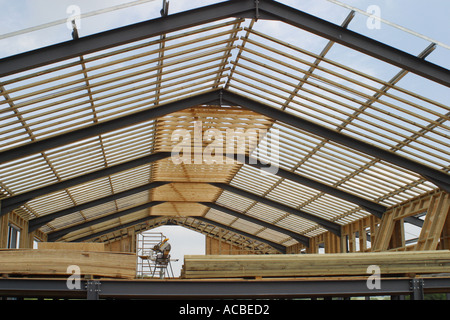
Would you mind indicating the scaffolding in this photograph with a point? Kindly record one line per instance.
(149, 263)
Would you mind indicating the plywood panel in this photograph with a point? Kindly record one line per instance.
(194, 192)
(178, 209)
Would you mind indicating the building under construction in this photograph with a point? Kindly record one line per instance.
(303, 170)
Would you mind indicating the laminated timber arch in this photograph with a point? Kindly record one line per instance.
(88, 123)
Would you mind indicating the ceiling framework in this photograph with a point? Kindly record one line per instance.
(89, 127)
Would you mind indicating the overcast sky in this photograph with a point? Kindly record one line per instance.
(430, 18)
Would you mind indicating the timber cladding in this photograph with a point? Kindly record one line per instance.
(307, 265)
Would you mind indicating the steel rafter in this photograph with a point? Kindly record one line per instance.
(440, 178)
(329, 225)
(266, 9)
(123, 226)
(36, 223)
(277, 11)
(106, 126)
(296, 236)
(55, 235)
(370, 206)
(11, 203)
(125, 35)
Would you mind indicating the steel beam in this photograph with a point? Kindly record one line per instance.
(124, 35)
(274, 245)
(14, 202)
(36, 223)
(296, 236)
(370, 206)
(262, 9)
(438, 177)
(277, 11)
(331, 226)
(218, 289)
(55, 235)
(106, 126)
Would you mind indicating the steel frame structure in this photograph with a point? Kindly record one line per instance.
(376, 171)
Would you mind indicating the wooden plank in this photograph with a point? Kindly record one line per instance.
(56, 262)
(434, 222)
(300, 265)
(384, 231)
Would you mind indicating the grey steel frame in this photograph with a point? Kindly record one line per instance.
(219, 289)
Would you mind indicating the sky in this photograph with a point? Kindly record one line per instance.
(426, 17)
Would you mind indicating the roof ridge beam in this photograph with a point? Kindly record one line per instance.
(441, 179)
(329, 225)
(296, 236)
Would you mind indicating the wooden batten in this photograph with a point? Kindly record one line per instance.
(220, 247)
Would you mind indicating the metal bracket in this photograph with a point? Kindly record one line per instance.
(257, 10)
(416, 286)
(165, 9)
(93, 289)
(75, 35)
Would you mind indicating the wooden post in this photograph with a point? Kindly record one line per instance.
(4, 230)
(398, 235)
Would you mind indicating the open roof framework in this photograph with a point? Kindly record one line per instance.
(86, 128)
